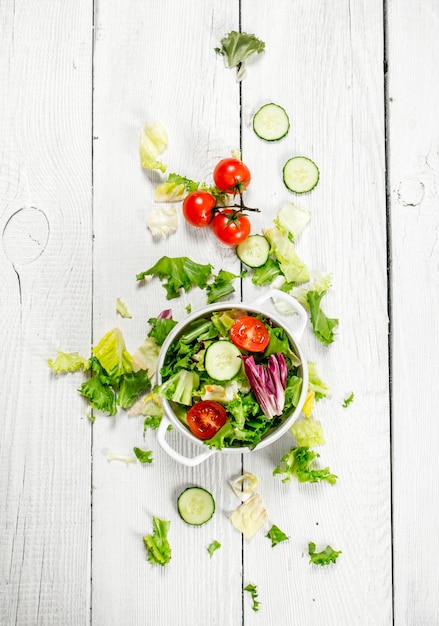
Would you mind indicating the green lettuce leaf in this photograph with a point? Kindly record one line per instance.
(68, 362)
(292, 219)
(292, 267)
(98, 389)
(143, 456)
(237, 48)
(215, 545)
(113, 355)
(222, 285)
(308, 433)
(326, 556)
(131, 386)
(161, 327)
(315, 383)
(253, 591)
(323, 326)
(178, 273)
(179, 387)
(347, 401)
(157, 544)
(266, 273)
(297, 462)
(276, 535)
(153, 141)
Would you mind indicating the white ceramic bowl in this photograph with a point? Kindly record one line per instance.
(256, 306)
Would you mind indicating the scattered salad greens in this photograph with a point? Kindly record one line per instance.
(215, 545)
(222, 285)
(236, 48)
(177, 274)
(144, 456)
(323, 326)
(253, 591)
(297, 462)
(347, 401)
(326, 556)
(276, 535)
(157, 544)
(122, 308)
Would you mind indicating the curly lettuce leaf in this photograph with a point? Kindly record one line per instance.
(68, 362)
(253, 591)
(98, 389)
(267, 272)
(160, 328)
(297, 462)
(292, 267)
(323, 326)
(153, 142)
(177, 274)
(326, 556)
(215, 545)
(237, 48)
(276, 535)
(157, 544)
(143, 456)
(131, 386)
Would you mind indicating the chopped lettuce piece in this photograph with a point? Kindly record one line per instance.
(253, 591)
(131, 386)
(326, 556)
(146, 356)
(157, 544)
(347, 401)
(276, 535)
(169, 191)
(153, 142)
(162, 221)
(237, 48)
(178, 273)
(161, 327)
(222, 285)
(68, 362)
(321, 283)
(143, 456)
(98, 389)
(322, 325)
(250, 516)
(215, 545)
(188, 184)
(292, 267)
(266, 273)
(113, 355)
(122, 308)
(308, 433)
(315, 383)
(292, 219)
(297, 462)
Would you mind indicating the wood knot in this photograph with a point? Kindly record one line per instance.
(25, 236)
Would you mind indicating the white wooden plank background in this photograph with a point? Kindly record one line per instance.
(71, 523)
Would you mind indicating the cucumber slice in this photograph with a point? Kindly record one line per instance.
(222, 360)
(253, 251)
(271, 122)
(196, 505)
(300, 174)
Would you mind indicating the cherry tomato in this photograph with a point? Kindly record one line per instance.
(205, 418)
(231, 175)
(197, 207)
(249, 333)
(231, 227)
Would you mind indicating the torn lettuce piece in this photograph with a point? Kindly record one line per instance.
(321, 282)
(169, 191)
(323, 326)
(146, 356)
(222, 285)
(297, 462)
(98, 389)
(253, 591)
(326, 556)
(113, 355)
(143, 456)
(347, 401)
(315, 383)
(68, 362)
(180, 387)
(153, 142)
(215, 545)
(131, 386)
(292, 219)
(163, 221)
(157, 544)
(160, 328)
(292, 267)
(237, 48)
(122, 308)
(276, 535)
(308, 433)
(177, 274)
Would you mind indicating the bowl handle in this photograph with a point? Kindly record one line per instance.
(298, 308)
(184, 460)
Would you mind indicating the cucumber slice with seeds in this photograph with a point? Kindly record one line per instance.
(271, 122)
(222, 360)
(300, 174)
(253, 251)
(196, 506)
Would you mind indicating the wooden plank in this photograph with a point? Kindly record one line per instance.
(324, 64)
(45, 272)
(155, 62)
(413, 100)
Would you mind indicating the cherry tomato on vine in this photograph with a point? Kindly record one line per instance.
(231, 227)
(231, 175)
(197, 207)
(205, 418)
(250, 334)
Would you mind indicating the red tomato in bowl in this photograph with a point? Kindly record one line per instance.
(231, 227)
(231, 175)
(205, 418)
(249, 333)
(197, 207)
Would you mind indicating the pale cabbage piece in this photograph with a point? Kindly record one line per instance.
(153, 142)
(122, 308)
(292, 218)
(146, 356)
(250, 516)
(119, 456)
(244, 485)
(163, 221)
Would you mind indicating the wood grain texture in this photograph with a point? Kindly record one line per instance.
(324, 65)
(45, 300)
(413, 100)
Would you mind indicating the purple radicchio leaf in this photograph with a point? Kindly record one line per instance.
(165, 315)
(268, 383)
